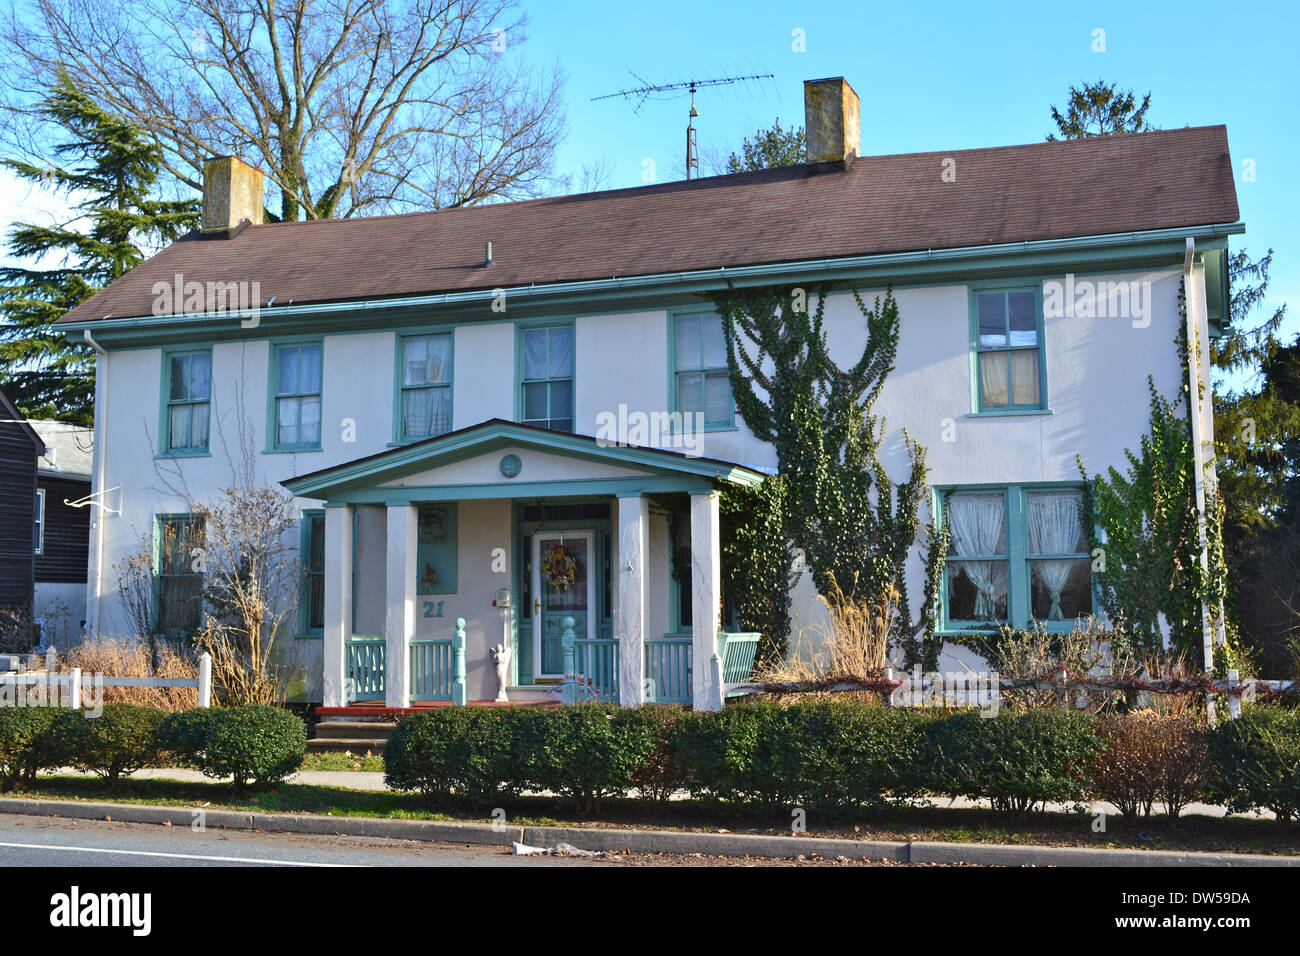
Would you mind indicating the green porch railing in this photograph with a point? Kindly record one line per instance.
(432, 671)
(737, 653)
(597, 661)
(668, 670)
(365, 668)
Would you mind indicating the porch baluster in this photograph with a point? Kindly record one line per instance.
(459, 690)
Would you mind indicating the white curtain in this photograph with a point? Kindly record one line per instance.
(977, 525)
(993, 378)
(1054, 529)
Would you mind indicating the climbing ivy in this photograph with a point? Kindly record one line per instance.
(757, 562)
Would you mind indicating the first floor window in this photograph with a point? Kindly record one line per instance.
(178, 571)
(189, 396)
(703, 383)
(426, 386)
(548, 377)
(297, 395)
(1017, 554)
(38, 532)
(313, 569)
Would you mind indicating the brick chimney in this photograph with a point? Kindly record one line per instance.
(832, 120)
(232, 193)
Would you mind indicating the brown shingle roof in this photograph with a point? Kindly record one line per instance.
(882, 204)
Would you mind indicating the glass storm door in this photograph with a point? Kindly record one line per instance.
(562, 587)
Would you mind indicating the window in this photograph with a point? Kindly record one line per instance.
(1008, 350)
(297, 395)
(313, 572)
(1018, 554)
(38, 535)
(426, 386)
(548, 377)
(189, 394)
(178, 572)
(702, 381)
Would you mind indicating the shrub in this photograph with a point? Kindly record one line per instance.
(742, 755)
(252, 743)
(459, 751)
(586, 752)
(1017, 761)
(1147, 758)
(121, 740)
(132, 657)
(26, 744)
(1255, 761)
(666, 770)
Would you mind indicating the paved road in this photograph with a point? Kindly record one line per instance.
(47, 841)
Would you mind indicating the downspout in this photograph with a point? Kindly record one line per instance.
(1198, 451)
(97, 484)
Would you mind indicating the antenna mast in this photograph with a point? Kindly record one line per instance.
(672, 90)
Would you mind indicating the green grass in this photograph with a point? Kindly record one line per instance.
(1235, 835)
(372, 763)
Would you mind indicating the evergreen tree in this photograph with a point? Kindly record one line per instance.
(769, 149)
(1100, 109)
(109, 170)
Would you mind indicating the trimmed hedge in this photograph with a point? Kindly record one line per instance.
(26, 744)
(253, 743)
(1255, 762)
(122, 739)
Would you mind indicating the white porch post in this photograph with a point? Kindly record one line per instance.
(338, 605)
(399, 617)
(706, 598)
(633, 517)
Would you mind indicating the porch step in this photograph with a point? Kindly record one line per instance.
(358, 736)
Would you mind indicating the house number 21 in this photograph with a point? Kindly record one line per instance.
(430, 611)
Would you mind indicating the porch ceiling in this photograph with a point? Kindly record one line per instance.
(432, 470)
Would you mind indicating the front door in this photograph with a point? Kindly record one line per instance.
(563, 587)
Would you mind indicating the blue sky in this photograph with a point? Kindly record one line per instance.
(932, 77)
(938, 76)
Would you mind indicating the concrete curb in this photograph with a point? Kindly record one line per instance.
(641, 841)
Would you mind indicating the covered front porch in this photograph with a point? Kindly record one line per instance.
(570, 568)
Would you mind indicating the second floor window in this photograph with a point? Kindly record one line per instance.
(702, 379)
(189, 397)
(426, 386)
(297, 395)
(548, 377)
(1008, 350)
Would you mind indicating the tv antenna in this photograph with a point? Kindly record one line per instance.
(671, 91)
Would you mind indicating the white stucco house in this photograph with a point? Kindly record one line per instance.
(431, 388)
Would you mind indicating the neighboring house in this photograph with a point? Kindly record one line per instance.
(20, 447)
(433, 401)
(62, 528)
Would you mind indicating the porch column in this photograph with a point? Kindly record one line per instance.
(633, 538)
(338, 605)
(706, 598)
(400, 601)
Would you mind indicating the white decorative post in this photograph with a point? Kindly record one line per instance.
(74, 688)
(633, 516)
(1234, 694)
(205, 680)
(338, 605)
(399, 618)
(706, 598)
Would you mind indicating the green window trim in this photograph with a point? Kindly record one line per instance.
(301, 389)
(185, 398)
(706, 370)
(541, 399)
(173, 573)
(986, 351)
(1017, 556)
(435, 385)
(312, 555)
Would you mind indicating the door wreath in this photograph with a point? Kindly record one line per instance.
(560, 569)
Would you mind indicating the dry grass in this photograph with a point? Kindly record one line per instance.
(1035, 654)
(130, 657)
(854, 644)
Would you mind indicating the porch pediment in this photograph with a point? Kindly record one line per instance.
(501, 459)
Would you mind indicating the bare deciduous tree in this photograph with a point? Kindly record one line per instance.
(350, 106)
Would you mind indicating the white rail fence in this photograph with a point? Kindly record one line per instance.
(68, 687)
